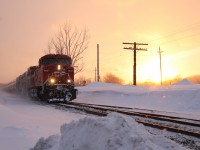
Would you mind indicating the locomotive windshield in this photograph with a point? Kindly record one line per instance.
(48, 61)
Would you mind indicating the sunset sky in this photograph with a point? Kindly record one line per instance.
(26, 26)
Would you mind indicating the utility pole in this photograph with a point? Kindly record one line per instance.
(95, 75)
(98, 75)
(135, 48)
(160, 65)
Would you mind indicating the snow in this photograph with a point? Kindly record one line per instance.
(26, 124)
(181, 98)
(22, 121)
(183, 82)
(114, 132)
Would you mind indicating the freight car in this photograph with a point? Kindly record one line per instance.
(51, 80)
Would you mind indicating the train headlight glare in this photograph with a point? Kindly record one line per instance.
(68, 81)
(52, 80)
(59, 67)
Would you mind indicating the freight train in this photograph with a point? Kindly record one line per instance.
(51, 80)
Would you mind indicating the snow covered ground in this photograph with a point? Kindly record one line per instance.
(24, 124)
(23, 121)
(183, 97)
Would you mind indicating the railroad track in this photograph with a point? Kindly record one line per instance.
(190, 127)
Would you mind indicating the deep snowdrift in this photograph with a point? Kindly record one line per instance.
(181, 98)
(114, 132)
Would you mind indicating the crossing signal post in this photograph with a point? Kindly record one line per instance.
(134, 48)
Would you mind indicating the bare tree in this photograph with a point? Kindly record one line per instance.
(111, 78)
(72, 42)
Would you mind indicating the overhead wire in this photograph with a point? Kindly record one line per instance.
(196, 25)
(181, 38)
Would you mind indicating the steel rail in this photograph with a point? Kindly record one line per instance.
(101, 111)
(140, 114)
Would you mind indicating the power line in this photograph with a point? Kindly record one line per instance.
(177, 39)
(181, 38)
(189, 27)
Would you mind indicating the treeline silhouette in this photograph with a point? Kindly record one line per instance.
(112, 78)
(193, 79)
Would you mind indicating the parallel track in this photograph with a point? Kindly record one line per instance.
(190, 127)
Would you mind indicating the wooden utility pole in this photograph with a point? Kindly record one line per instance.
(160, 65)
(135, 48)
(98, 75)
(95, 75)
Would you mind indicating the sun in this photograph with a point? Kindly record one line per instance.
(150, 71)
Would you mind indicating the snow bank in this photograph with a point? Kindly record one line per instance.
(114, 132)
(184, 82)
(183, 98)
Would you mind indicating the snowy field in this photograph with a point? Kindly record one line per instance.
(23, 121)
(182, 99)
(25, 124)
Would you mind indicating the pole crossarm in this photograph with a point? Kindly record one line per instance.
(136, 43)
(131, 48)
(142, 49)
(127, 43)
(141, 43)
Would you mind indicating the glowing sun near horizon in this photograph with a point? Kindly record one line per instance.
(150, 71)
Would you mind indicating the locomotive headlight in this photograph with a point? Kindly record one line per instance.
(59, 67)
(52, 80)
(68, 81)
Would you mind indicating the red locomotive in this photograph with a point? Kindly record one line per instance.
(51, 80)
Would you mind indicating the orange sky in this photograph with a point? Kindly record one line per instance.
(26, 27)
